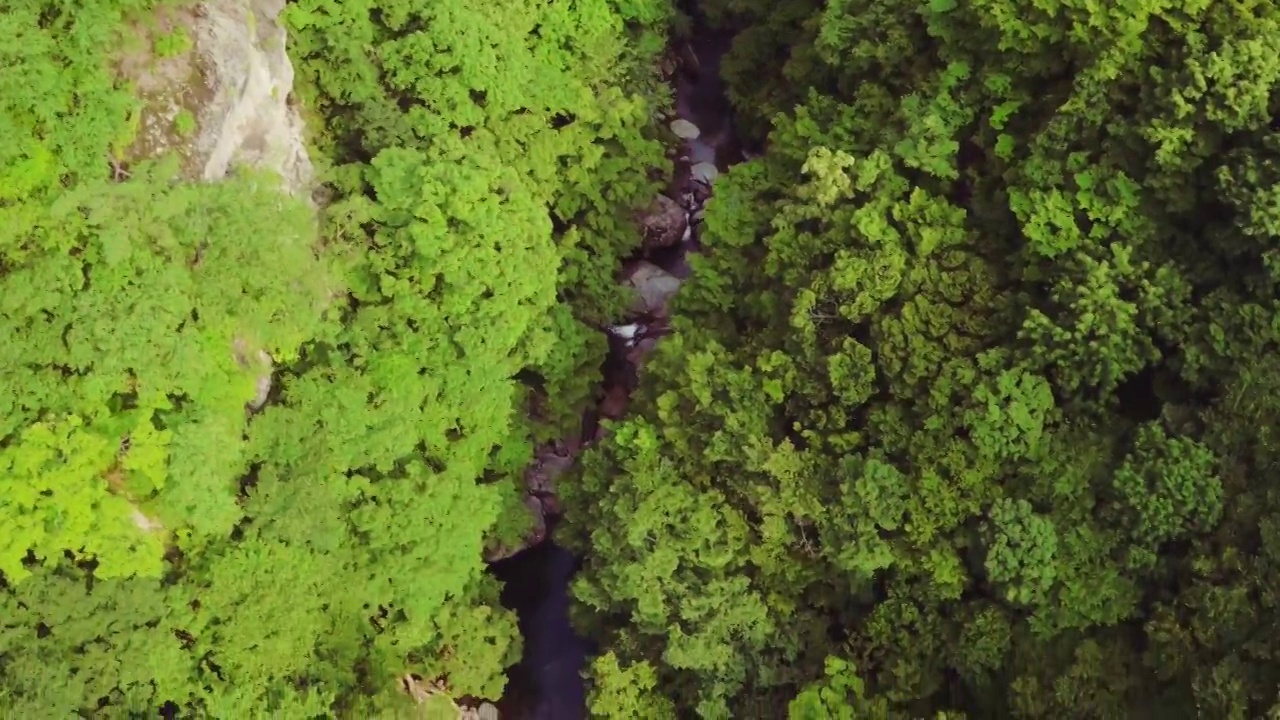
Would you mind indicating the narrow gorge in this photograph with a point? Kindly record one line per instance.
(547, 684)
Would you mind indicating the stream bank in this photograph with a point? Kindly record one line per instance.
(547, 683)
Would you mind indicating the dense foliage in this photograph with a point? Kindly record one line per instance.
(970, 410)
(972, 404)
(165, 547)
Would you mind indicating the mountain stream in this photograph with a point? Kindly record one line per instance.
(547, 683)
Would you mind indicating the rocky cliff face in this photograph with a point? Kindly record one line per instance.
(215, 84)
(216, 81)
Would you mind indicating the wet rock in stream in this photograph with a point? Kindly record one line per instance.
(653, 286)
(685, 130)
(665, 223)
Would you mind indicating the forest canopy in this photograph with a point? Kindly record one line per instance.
(971, 401)
(968, 410)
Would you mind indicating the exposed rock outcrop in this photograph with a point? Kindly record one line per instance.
(249, 118)
(260, 364)
(219, 97)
